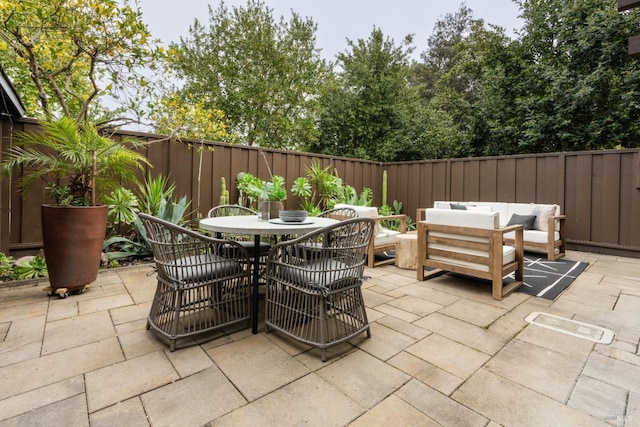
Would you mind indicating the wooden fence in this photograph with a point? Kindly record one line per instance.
(599, 191)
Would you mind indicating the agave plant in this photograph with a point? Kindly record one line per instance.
(155, 197)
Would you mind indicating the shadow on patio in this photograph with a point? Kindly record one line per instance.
(442, 352)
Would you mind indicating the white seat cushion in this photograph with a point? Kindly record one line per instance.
(532, 236)
(387, 237)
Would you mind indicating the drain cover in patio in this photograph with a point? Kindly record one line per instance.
(571, 327)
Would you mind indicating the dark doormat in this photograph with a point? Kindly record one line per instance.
(547, 279)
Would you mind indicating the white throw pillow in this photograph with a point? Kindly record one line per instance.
(542, 213)
(364, 212)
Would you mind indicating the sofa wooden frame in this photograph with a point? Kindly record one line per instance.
(453, 237)
(549, 247)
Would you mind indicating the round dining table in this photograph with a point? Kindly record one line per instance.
(251, 225)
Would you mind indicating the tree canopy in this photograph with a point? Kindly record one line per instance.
(67, 56)
(265, 75)
(583, 86)
(567, 83)
(368, 112)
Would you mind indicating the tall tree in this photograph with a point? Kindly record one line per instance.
(66, 55)
(264, 75)
(490, 68)
(370, 110)
(584, 88)
(443, 47)
(567, 83)
(449, 78)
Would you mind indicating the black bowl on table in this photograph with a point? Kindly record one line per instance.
(293, 215)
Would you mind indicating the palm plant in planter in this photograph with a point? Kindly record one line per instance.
(76, 162)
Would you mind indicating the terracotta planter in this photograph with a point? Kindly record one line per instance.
(72, 238)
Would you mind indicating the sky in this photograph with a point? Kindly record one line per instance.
(337, 20)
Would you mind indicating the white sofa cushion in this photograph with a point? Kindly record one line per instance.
(499, 207)
(366, 212)
(543, 212)
(387, 237)
(462, 218)
(473, 208)
(484, 220)
(506, 210)
(532, 236)
(444, 205)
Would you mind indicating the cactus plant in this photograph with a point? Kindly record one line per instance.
(224, 193)
(384, 188)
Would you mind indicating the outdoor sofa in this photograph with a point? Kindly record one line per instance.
(544, 233)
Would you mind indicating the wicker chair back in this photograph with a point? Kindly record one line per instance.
(204, 283)
(313, 291)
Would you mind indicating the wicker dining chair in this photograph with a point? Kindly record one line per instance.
(313, 291)
(339, 213)
(247, 241)
(204, 283)
(230, 210)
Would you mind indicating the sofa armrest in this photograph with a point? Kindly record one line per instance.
(401, 217)
(421, 214)
(509, 228)
(552, 222)
(556, 223)
(519, 237)
(551, 227)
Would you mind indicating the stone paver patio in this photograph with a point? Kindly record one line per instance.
(442, 352)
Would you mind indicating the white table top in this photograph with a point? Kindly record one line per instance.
(249, 224)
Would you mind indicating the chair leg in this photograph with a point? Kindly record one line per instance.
(496, 289)
(371, 255)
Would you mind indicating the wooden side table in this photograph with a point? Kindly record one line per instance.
(407, 251)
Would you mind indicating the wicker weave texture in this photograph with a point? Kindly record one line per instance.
(339, 213)
(314, 283)
(204, 283)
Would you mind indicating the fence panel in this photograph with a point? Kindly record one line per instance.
(599, 191)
